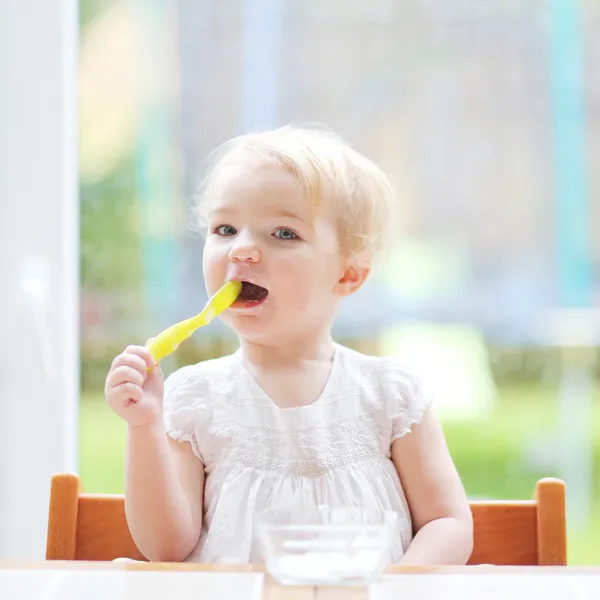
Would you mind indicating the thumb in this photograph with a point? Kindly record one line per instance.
(153, 364)
(155, 375)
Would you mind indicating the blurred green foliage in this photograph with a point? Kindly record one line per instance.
(110, 244)
(88, 9)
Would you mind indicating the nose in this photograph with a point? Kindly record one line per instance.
(245, 250)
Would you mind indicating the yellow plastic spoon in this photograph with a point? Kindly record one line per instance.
(168, 340)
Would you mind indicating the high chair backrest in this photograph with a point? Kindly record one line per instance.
(86, 526)
(522, 532)
(93, 526)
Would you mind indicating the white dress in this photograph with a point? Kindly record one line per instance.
(335, 451)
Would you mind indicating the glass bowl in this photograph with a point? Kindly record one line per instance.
(327, 545)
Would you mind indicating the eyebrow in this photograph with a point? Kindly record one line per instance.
(283, 213)
(279, 213)
(220, 211)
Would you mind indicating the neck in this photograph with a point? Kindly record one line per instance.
(290, 352)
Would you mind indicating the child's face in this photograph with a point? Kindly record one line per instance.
(262, 230)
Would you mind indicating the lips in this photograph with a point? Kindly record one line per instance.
(250, 295)
(251, 292)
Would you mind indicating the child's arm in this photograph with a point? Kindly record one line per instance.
(164, 486)
(438, 504)
(164, 480)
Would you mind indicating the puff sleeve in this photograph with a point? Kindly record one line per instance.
(406, 397)
(186, 412)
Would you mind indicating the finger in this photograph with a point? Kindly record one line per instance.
(155, 364)
(143, 353)
(154, 375)
(126, 374)
(127, 359)
(128, 390)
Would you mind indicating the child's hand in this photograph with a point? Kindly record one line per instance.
(134, 387)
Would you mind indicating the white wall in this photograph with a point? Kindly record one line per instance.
(39, 383)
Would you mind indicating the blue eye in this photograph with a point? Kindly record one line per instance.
(225, 230)
(285, 234)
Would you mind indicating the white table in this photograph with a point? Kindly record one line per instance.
(55, 584)
(488, 586)
(114, 581)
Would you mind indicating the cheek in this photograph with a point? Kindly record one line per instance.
(214, 263)
(302, 279)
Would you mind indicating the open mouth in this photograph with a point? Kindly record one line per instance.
(251, 294)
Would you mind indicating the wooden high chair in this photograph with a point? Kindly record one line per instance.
(531, 532)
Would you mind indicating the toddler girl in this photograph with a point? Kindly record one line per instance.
(292, 420)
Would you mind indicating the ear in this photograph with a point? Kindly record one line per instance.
(352, 278)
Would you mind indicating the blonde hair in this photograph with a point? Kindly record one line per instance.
(328, 170)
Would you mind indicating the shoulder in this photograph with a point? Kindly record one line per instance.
(385, 370)
(190, 396)
(356, 363)
(390, 383)
(200, 381)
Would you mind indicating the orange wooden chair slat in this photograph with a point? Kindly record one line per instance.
(531, 532)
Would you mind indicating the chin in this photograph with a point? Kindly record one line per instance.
(256, 330)
(246, 323)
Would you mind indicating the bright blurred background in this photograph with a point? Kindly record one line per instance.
(486, 116)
